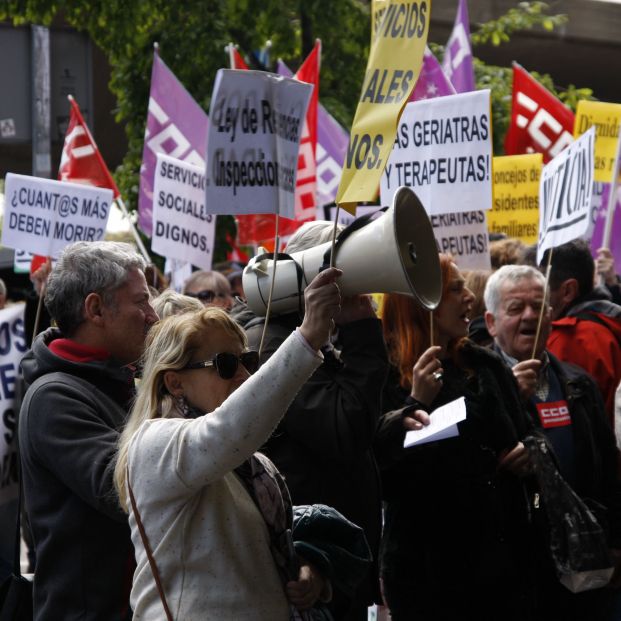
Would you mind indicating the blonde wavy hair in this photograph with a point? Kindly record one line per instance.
(171, 345)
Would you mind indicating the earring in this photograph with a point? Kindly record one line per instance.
(182, 405)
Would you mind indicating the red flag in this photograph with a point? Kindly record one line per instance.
(235, 59)
(306, 183)
(540, 123)
(261, 228)
(81, 161)
(236, 253)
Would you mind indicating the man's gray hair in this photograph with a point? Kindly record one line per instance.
(312, 234)
(513, 274)
(83, 268)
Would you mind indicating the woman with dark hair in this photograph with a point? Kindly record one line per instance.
(456, 538)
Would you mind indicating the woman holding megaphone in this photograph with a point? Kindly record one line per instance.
(456, 539)
(210, 517)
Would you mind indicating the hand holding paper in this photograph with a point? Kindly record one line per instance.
(443, 424)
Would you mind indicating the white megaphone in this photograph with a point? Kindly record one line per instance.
(395, 253)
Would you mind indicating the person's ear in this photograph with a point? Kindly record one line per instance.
(174, 383)
(570, 290)
(93, 308)
(490, 323)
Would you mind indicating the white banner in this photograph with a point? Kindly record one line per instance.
(12, 348)
(182, 228)
(256, 121)
(463, 235)
(443, 151)
(565, 195)
(43, 216)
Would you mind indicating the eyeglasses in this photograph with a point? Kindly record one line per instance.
(227, 364)
(206, 295)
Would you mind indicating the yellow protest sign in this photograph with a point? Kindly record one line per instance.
(392, 70)
(515, 208)
(378, 8)
(606, 118)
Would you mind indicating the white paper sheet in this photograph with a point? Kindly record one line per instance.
(443, 424)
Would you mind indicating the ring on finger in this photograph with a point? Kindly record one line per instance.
(437, 376)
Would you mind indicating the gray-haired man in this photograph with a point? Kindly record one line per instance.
(80, 386)
(564, 402)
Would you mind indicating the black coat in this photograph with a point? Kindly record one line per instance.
(68, 434)
(457, 538)
(323, 445)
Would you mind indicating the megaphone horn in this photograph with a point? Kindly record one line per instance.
(395, 253)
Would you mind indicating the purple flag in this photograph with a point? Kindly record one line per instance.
(457, 63)
(176, 126)
(601, 194)
(432, 81)
(332, 142)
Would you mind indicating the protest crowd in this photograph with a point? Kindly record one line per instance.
(410, 414)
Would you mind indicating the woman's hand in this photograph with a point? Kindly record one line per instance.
(427, 376)
(516, 461)
(416, 420)
(307, 589)
(605, 266)
(322, 302)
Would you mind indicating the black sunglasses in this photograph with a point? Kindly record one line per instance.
(226, 363)
(206, 295)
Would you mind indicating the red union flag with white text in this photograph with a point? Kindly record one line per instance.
(540, 123)
(81, 161)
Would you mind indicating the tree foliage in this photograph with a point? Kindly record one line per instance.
(193, 34)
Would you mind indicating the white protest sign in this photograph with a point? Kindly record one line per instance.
(443, 151)
(182, 228)
(256, 121)
(43, 216)
(565, 194)
(12, 348)
(463, 235)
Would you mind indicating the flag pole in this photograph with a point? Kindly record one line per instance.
(612, 202)
(544, 305)
(269, 298)
(119, 201)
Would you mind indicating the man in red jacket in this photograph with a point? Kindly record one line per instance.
(586, 326)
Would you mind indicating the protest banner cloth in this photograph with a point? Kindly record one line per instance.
(378, 8)
(457, 63)
(515, 210)
(43, 216)
(565, 193)
(176, 125)
(443, 152)
(82, 162)
(253, 140)
(605, 117)
(432, 81)
(182, 228)
(12, 347)
(393, 67)
(540, 123)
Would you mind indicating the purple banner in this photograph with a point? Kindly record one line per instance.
(457, 63)
(432, 81)
(332, 141)
(601, 194)
(176, 126)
